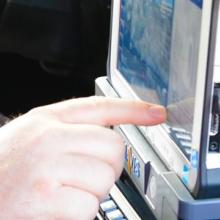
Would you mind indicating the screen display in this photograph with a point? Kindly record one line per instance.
(158, 57)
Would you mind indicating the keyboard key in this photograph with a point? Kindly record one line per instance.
(183, 136)
(175, 129)
(114, 215)
(186, 144)
(107, 206)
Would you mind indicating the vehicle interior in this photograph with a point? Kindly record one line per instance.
(28, 82)
(54, 50)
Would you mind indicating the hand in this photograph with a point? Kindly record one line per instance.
(59, 161)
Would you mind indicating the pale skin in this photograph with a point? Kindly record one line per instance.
(57, 162)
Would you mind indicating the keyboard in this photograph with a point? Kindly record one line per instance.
(116, 207)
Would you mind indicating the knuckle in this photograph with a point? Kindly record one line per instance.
(99, 101)
(110, 176)
(36, 111)
(42, 186)
(94, 207)
(100, 104)
(50, 130)
(42, 111)
(91, 208)
(107, 179)
(43, 134)
(119, 145)
(40, 136)
(118, 153)
(118, 138)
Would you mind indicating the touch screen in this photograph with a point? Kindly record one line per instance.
(158, 56)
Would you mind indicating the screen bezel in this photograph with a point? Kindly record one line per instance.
(125, 91)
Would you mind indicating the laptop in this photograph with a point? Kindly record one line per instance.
(168, 52)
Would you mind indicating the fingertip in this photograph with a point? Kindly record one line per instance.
(157, 111)
(156, 114)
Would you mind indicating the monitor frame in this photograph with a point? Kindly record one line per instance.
(168, 151)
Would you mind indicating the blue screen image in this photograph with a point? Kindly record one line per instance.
(158, 57)
(144, 52)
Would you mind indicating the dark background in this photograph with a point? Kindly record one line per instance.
(25, 84)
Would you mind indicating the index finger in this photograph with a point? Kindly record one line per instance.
(108, 111)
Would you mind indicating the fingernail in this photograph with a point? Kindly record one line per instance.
(157, 111)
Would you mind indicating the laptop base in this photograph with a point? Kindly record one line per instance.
(160, 188)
